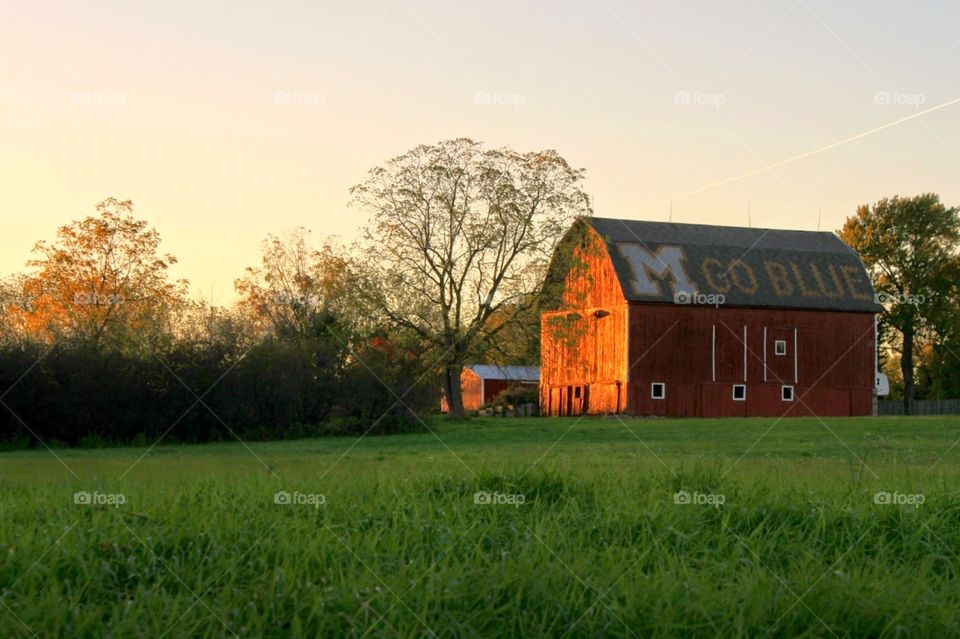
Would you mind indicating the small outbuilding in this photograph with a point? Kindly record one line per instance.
(652, 318)
(480, 383)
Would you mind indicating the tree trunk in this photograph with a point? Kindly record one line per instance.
(452, 390)
(906, 367)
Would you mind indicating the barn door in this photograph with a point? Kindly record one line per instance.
(577, 400)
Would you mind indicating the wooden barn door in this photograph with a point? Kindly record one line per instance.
(570, 400)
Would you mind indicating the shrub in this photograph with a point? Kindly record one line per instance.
(517, 395)
(284, 386)
(389, 387)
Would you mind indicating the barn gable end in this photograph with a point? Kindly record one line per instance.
(583, 335)
(582, 274)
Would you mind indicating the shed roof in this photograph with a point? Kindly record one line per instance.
(656, 261)
(507, 373)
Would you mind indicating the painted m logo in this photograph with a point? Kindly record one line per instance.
(668, 260)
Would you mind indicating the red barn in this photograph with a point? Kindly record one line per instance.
(480, 383)
(652, 318)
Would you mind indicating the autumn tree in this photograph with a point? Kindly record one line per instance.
(457, 235)
(909, 246)
(102, 276)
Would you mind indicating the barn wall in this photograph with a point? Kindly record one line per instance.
(583, 360)
(831, 367)
(583, 352)
(473, 389)
(583, 345)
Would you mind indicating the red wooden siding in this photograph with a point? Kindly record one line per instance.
(583, 353)
(472, 387)
(832, 375)
(583, 361)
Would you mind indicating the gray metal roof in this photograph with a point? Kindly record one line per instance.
(655, 261)
(508, 373)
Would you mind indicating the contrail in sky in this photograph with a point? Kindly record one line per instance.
(807, 154)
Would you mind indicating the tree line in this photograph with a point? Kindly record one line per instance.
(99, 344)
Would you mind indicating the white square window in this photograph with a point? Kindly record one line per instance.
(786, 393)
(780, 347)
(658, 390)
(739, 392)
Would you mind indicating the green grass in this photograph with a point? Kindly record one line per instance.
(599, 548)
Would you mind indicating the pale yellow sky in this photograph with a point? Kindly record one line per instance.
(226, 121)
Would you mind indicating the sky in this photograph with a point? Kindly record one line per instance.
(225, 121)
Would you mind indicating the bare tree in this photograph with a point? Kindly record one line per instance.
(458, 234)
(292, 286)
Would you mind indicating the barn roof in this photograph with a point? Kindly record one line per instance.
(655, 261)
(507, 373)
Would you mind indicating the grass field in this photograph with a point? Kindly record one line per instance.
(781, 534)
